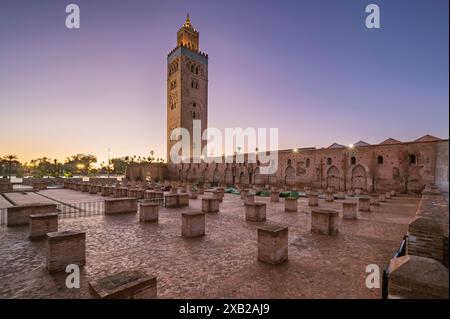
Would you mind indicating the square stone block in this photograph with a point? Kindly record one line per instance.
(64, 248)
(128, 284)
(313, 199)
(340, 195)
(249, 199)
(325, 222)
(375, 200)
(41, 224)
(382, 198)
(183, 199)
(19, 215)
(148, 212)
(350, 210)
(210, 205)
(120, 205)
(274, 196)
(217, 194)
(171, 200)
(255, 212)
(273, 244)
(329, 197)
(364, 203)
(290, 204)
(193, 194)
(192, 224)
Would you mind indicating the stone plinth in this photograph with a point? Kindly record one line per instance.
(64, 248)
(128, 284)
(182, 189)
(415, 277)
(325, 222)
(120, 205)
(92, 189)
(210, 205)
(183, 199)
(273, 244)
(193, 194)
(375, 200)
(200, 190)
(192, 224)
(249, 199)
(350, 210)
(148, 212)
(171, 200)
(313, 199)
(382, 198)
(19, 215)
(173, 190)
(274, 196)
(329, 197)
(218, 194)
(290, 204)
(364, 203)
(255, 212)
(41, 224)
(340, 195)
(84, 188)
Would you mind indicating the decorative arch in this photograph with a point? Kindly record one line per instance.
(228, 176)
(359, 177)
(333, 177)
(289, 176)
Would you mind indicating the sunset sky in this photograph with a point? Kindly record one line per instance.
(310, 68)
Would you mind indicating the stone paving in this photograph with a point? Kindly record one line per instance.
(222, 264)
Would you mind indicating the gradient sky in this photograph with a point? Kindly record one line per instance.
(310, 68)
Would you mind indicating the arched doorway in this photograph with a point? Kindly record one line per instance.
(359, 178)
(289, 174)
(333, 177)
(228, 177)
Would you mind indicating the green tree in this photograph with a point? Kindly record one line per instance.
(10, 159)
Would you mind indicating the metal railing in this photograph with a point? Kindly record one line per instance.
(86, 209)
(385, 283)
(3, 215)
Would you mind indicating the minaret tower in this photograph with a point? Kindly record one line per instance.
(187, 85)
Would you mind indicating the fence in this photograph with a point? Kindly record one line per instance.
(385, 284)
(86, 209)
(2, 216)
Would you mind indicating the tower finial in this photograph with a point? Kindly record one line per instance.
(188, 21)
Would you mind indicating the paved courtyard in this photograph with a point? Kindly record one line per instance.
(222, 264)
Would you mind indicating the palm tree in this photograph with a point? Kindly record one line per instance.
(10, 158)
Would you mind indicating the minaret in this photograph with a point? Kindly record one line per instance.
(187, 85)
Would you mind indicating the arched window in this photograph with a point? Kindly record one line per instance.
(412, 159)
(196, 70)
(329, 161)
(308, 162)
(353, 160)
(380, 160)
(193, 115)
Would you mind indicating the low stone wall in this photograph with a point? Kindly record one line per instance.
(423, 271)
(428, 232)
(19, 215)
(120, 205)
